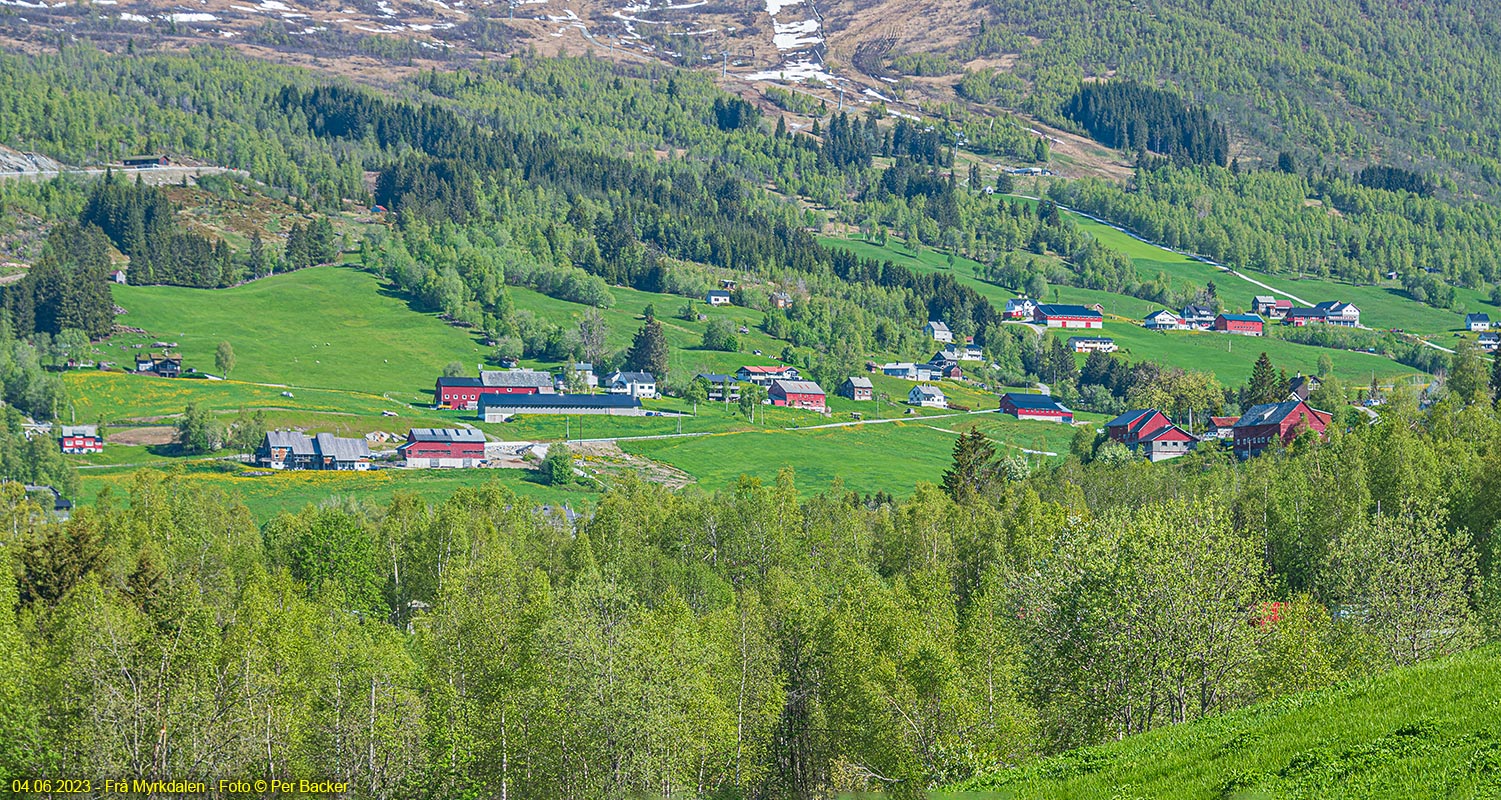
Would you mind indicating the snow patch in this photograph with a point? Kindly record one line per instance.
(191, 17)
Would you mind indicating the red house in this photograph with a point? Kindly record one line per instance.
(1245, 324)
(1034, 406)
(443, 447)
(1151, 433)
(798, 394)
(1273, 424)
(80, 439)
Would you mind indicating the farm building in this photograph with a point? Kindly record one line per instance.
(806, 395)
(856, 388)
(1222, 427)
(1163, 320)
(80, 439)
(1066, 316)
(1276, 424)
(763, 376)
(1020, 308)
(927, 397)
(1198, 317)
(52, 500)
(633, 384)
(1244, 324)
(1270, 307)
(939, 331)
(118, 276)
(145, 161)
(1090, 344)
(500, 407)
(1303, 385)
(912, 372)
(1338, 313)
(1034, 406)
(1149, 432)
(781, 300)
(464, 393)
(721, 387)
(1298, 317)
(325, 451)
(717, 297)
(585, 371)
(1489, 342)
(443, 447)
(1475, 323)
(164, 365)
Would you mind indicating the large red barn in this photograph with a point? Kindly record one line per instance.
(798, 394)
(1274, 424)
(443, 447)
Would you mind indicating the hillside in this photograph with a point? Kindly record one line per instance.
(1429, 731)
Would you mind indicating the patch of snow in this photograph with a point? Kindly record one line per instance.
(134, 18)
(275, 5)
(191, 17)
(775, 6)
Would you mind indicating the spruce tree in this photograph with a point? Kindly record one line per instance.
(648, 351)
(1264, 385)
(974, 467)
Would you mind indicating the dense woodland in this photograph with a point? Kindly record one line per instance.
(1335, 82)
(747, 644)
(1136, 118)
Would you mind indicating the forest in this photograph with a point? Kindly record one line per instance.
(1136, 118)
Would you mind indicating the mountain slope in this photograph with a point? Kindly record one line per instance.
(1433, 730)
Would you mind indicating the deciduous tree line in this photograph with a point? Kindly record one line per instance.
(749, 643)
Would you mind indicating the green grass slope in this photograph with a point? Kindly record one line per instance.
(1429, 731)
(328, 327)
(1229, 357)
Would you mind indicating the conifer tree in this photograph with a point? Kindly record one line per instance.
(974, 467)
(648, 351)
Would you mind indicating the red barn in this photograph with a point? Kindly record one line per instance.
(1064, 316)
(464, 393)
(1271, 424)
(1246, 324)
(1034, 406)
(798, 394)
(443, 447)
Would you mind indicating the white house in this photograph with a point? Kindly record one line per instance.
(641, 385)
(1089, 344)
(717, 297)
(939, 331)
(927, 397)
(1163, 320)
(1475, 323)
(1020, 308)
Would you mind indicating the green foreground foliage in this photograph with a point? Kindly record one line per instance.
(1429, 731)
(752, 642)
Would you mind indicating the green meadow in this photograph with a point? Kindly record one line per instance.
(857, 457)
(1228, 357)
(329, 327)
(1427, 731)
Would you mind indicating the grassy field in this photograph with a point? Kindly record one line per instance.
(861, 456)
(328, 327)
(1382, 306)
(1430, 731)
(1228, 357)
